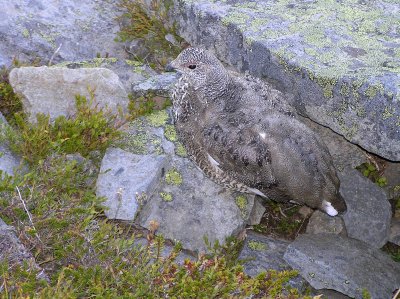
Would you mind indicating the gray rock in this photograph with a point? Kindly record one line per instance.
(343, 264)
(322, 223)
(8, 160)
(126, 180)
(129, 72)
(187, 205)
(52, 90)
(194, 207)
(262, 253)
(368, 210)
(257, 212)
(394, 236)
(12, 250)
(159, 85)
(342, 78)
(81, 29)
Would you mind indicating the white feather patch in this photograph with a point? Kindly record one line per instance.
(328, 208)
(213, 162)
(263, 135)
(257, 192)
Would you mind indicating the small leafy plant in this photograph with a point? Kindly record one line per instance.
(371, 172)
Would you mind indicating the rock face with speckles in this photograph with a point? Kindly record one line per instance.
(341, 60)
(32, 29)
(343, 264)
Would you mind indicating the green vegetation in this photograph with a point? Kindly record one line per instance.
(370, 171)
(173, 177)
(59, 218)
(150, 25)
(10, 103)
(90, 129)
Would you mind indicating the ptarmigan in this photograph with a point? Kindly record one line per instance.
(242, 135)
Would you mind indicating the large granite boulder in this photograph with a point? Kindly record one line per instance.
(37, 28)
(329, 261)
(52, 90)
(340, 59)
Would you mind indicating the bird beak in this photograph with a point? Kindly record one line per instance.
(170, 67)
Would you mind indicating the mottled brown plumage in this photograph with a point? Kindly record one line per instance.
(244, 136)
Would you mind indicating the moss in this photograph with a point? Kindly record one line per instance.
(166, 196)
(170, 133)
(25, 33)
(373, 90)
(158, 118)
(327, 85)
(257, 246)
(173, 177)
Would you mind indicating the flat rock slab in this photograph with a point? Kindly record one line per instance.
(339, 59)
(343, 264)
(52, 90)
(262, 253)
(368, 210)
(80, 29)
(125, 178)
(322, 223)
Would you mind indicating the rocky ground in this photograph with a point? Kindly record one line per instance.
(145, 176)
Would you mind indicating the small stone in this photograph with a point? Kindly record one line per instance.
(368, 209)
(305, 211)
(257, 212)
(126, 180)
(322, 223)
(262, 253)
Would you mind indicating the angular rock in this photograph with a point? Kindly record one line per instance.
(8, 160)
(257, 212)
(187, 205)
(52, 90)
(190, 207)
(14, 252)
(130, 72)
(159, 85)
(80, 29)
(368, 210)
(343, 264)
(322, 223)
(126, 180)
(351, 86)
(262, 253)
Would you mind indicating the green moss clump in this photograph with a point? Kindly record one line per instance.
(173, 177)
(241, 202)
(166, 196)
(10, 102)
(257, 246)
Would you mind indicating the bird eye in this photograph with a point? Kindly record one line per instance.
(192, 66)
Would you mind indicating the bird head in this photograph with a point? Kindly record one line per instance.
(199, 67)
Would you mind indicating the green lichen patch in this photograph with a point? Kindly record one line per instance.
(180, 150)
(257, 246)
(173, 177)
(158, 118)
(170, 133)
(166, 196)
(242, 202)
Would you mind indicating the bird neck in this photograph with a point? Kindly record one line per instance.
(218, 87)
